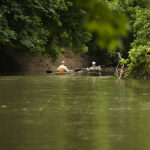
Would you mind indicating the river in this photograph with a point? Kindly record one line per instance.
(74, 113)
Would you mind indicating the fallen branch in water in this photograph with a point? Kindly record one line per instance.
(119, 72)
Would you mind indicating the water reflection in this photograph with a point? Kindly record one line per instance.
(74, 113)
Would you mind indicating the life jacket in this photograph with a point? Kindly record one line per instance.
(61, 70)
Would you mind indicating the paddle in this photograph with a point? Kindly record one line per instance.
(80, 69)
(49, 71)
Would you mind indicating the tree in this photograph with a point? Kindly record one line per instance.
(107, 19)
(42, 27)
(108, 23)
(138, 66)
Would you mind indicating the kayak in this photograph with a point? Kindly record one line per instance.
(62, 73)
(79, 72)
(88, 72)
(56, 73)
(94, 73)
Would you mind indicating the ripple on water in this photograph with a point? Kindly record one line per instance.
(9, 79)
(145, 106)
(120, 108)
(3, 106)
(145, 94)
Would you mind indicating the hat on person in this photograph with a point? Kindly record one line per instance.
(93, 62)
(62, 62)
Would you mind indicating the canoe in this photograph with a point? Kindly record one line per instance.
(78, 72)
(88, 73)
(94, 73)
(64, 73)
(56, 73)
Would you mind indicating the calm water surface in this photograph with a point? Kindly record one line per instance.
(74, 113)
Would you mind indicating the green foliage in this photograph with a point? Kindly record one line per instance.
(48, 26)
(141, 27)
(140, 3)
(74, 32)
(138, 67)
(124, 61)
(42, 26)
(109, 24)
(101, 18)
(140, 45)
(139, 14)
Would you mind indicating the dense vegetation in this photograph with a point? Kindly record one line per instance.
(139, 65)
(136, 48)
(138, 62)
(49, 26)
(42, 26)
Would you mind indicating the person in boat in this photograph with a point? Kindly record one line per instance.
(94, 67)
(62, 68)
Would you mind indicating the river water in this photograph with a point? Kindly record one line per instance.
(74, 113)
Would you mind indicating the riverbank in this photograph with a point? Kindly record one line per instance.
(27, 64)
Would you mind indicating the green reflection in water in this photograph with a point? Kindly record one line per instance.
(74, 113)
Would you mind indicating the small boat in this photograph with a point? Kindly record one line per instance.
(62, 73)
(84, 71)
(77, 72)
(57, 73)
(94, 73)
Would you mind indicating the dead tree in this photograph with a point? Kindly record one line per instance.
(120, 67)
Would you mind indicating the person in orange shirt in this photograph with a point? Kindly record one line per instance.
(62, 68)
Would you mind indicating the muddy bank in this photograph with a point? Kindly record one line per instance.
(27, 64)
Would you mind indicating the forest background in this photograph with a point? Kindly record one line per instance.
(102, 28)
